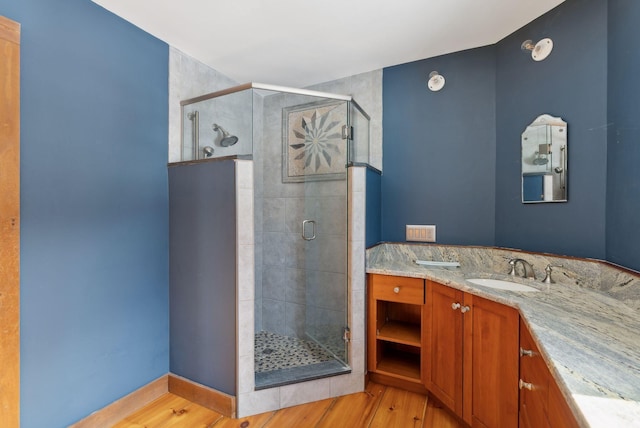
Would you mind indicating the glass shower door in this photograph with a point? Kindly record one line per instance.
(321, 148)
(324, 232)
(301, 165)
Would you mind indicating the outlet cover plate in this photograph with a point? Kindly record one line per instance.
(421, 233)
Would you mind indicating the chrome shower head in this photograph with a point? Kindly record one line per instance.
(227, 139)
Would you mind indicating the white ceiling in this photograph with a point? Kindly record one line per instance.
(300, 42)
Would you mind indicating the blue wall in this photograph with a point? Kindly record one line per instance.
(439, 148)
(570, 83)
(94, 243)
(623, 156)
(435, 172)
(202, 273)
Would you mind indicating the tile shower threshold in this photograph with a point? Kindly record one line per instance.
(288, 376)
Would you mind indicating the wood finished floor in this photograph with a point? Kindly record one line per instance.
(378, 407)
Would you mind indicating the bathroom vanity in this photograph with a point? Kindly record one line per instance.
(562, 355)
(463, 348)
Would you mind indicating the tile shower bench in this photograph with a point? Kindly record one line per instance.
(587, 323)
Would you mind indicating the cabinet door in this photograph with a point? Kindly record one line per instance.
(442, 359)
(560, 415)
(491, 364)
(535, 375)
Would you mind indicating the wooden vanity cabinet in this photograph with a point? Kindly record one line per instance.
(394, 335)
(443, 334)
(474, 355)
(470, 356)
(534, 383)
(558, 411)
(494, 362)
(541, 402)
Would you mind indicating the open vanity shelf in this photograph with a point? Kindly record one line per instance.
(398, 362)
(400, 332)
(395, 328)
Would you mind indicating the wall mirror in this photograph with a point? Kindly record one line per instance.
(544, 160)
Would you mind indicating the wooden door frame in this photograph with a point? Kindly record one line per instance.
(9, 223)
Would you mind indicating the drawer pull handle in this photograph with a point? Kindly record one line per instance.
(455, 306)
(526, 352)
(526, 385)
(396, 290)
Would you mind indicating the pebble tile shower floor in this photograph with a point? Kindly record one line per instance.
(281, 360)
(274, 351)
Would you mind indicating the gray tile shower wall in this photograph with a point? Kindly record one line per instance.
(188, 78)
(258, 201)
(366, 90)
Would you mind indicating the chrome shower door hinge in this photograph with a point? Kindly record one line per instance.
(347, 132)
(346, 336)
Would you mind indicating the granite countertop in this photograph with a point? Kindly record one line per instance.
(587, 324)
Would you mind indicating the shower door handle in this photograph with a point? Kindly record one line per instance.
(304, 230)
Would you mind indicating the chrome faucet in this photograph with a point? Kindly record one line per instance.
(547, 279)
(528, 269)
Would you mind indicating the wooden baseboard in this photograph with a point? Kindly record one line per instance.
(118, 410)
(203, 395)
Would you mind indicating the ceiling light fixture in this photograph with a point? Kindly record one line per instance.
(540, 50)
(436, 81)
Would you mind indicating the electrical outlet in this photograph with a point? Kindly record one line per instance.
(422, 233)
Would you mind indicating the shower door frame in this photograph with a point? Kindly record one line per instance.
(320, 318)
(266, 87)
(311, 267)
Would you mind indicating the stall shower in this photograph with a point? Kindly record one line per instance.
(300, 144)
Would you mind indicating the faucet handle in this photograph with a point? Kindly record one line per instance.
(528, 268)
(547, 279)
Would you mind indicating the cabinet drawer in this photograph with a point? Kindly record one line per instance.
(398, 289)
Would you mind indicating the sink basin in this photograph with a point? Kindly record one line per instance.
(501, 285)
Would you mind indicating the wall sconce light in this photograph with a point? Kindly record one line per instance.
(540, 50)
(436, 81)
